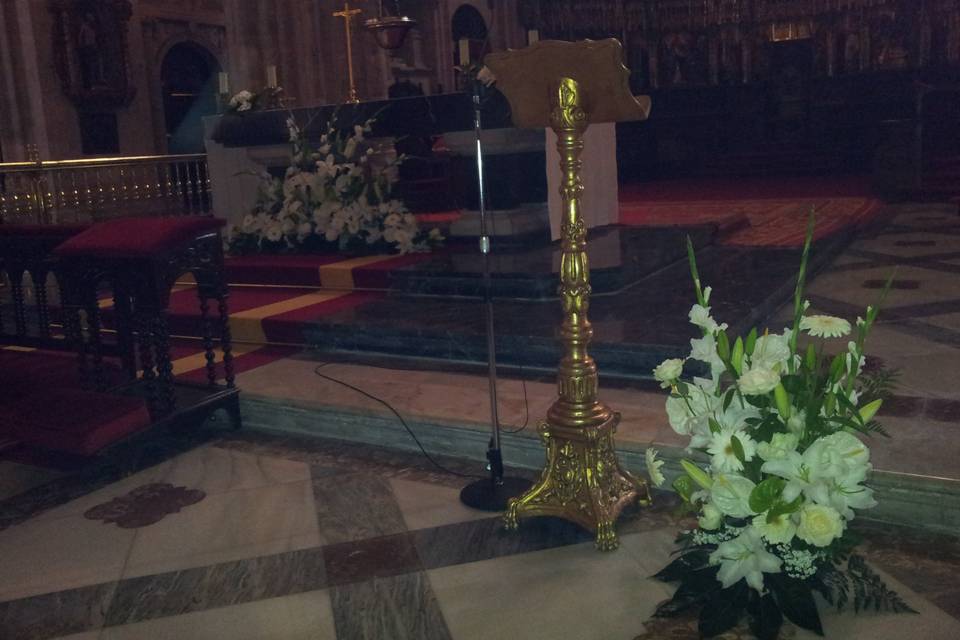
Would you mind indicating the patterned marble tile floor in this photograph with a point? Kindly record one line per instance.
(251, 536)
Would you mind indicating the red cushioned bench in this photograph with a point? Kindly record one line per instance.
(141, 260)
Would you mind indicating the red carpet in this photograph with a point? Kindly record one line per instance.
(757, 212)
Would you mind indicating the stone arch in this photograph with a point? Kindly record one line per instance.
(188, 90)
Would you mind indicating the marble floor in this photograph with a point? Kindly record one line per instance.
(250, 536)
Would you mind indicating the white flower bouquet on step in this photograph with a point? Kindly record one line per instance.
(331, 198)
(781, 427)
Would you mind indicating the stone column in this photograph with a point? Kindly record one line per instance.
(22, 120)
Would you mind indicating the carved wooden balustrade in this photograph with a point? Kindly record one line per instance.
(58, 191)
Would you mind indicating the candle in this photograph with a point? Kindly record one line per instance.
(272, 76)
(224, 81)
(464, 52)
(533, 36)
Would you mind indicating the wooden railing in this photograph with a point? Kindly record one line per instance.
(57, 191)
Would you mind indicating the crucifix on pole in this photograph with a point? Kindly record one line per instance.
(347, 14)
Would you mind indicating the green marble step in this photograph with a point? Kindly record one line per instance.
(926, 502)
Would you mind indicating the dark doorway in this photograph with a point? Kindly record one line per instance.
(188, 77)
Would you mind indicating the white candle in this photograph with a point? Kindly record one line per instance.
(533, 36)
(272, 76)
(224, 81)
(464, 52)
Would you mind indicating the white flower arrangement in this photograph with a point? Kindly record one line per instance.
(330, 197)
(780, 427)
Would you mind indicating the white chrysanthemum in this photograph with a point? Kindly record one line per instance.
(668, 371)
(780, 531)
(744, 557)
(722, 454)
(274, 232)
(757, 381)
(653, 467)
(825, 326)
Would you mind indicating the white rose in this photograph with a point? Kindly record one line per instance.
(668, 371)
(758, 381)
(710, 518)
(819, 525)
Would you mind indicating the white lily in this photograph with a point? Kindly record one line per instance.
(744, 558)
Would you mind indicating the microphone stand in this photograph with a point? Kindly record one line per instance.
(493, 493)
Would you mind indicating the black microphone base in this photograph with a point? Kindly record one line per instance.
(486, 495)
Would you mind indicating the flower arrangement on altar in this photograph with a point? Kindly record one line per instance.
(781, 427)
(246, 100)
(331, 197)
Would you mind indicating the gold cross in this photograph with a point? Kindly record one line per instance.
(347, 15)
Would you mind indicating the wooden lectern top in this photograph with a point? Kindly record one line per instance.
(529, 79)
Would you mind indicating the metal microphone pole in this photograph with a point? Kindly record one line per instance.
(493, 493)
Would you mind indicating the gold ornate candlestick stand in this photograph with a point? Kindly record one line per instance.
(583, 480)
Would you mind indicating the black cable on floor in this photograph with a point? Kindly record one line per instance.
(370, 396)
(526, 404)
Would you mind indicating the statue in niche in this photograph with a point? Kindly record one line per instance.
(92, 68)
(90, 52)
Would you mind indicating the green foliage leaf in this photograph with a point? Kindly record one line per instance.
(811, 358)
(781, 508)
(738, 449)
(766, 494)
(796, 601)
(683, 565)
(728, 398)
(697, 474)
(870, 592)
(684, 487)
(736, 358)
(723, 346)
(723, 610)
(837, 366)
(751, 342)
(714, 425)
(694, 589)
(869, 410)
(765, 618)
(783, 401)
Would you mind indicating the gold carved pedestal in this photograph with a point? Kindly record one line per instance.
(552, 83)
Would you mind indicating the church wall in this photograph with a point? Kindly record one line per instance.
(34, 108)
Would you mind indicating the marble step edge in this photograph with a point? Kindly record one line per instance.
(926, 502)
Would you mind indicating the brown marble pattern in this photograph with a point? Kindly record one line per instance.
(145, 505)
(401, 607)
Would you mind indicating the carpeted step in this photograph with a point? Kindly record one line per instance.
(329, 271)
